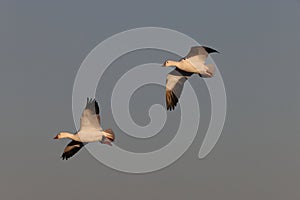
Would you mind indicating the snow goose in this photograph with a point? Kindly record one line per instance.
(193, 63)
(90, 131)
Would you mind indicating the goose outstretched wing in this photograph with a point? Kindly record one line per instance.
(197, 57)
(71, 149)
(174, 86)
(90, 118)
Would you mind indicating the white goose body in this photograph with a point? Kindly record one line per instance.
(90, 131)
(90, 136)
(193, 63)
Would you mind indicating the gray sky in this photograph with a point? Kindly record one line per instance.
(43, 44)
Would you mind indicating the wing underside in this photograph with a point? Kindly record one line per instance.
(71, 149)
(90, 118)
(174, 86)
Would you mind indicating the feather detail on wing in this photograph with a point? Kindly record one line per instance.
(71, 149)
(90, 118)
(174, 86)
(197, 57)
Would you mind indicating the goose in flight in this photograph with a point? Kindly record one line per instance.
(90, 131)
(193, 63)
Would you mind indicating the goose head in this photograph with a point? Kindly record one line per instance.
(62, 135)
(168, 63)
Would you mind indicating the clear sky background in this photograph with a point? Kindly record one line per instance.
(43, 43)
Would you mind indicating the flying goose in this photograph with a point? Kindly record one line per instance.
(193, 63)
(90, 131)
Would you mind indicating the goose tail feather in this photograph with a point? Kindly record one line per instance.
(109, 134)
